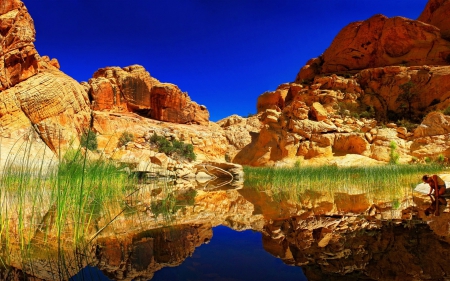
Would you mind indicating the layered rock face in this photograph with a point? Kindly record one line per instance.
(132, 89)
(19, 59)
(121, 89)
(35, 95)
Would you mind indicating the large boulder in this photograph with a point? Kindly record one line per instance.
(437, 13)
(380, 41)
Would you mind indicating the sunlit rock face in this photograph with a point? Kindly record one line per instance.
(34, 93)
(139, 255)
(353, 248)
(19, 59)
(132, 89)
(239, 132)
(432, 137)
(209, 141)
(378, 42)
(437, 13)
(298, 129)
(121, 89)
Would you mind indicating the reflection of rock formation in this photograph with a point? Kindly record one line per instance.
(140, 255)
(354, 248)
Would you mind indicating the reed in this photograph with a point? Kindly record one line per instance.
(388, 182)
(43, 204)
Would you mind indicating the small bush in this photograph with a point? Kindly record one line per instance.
(89, 140)
(393, 155)
(125, 138)
(174, 148)
(446, 111)
(410, 126)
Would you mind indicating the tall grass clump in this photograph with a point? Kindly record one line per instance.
(378, 182)
(55, 204)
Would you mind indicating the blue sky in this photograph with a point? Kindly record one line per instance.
(224, 53)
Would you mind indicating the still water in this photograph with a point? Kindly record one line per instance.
(240, 233)
(229, 255)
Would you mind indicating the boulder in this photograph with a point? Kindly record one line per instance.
(437, 13)
(380, 41)
(435, 123)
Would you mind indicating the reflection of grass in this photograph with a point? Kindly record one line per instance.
(54, 205)
(378, 182)
(172, 202)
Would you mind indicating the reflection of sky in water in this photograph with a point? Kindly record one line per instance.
(90, 273)
(232, 256)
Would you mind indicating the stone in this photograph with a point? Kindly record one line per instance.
(437, 13)
(133, 89)
(435, 123)
(380, 41)
(318, 112)
(19, 59)
(169, 104)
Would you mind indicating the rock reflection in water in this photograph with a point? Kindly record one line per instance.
(231, 255)
(140, 255)
(357, 248)
(338, 237)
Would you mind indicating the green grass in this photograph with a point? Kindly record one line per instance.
(55, 206)
(389, 182)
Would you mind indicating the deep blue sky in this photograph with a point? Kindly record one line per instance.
(224, 53)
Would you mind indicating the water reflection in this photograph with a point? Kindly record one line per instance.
(162, 225)
(231, 255)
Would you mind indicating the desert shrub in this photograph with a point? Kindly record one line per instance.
(446, 111)
(393, 154)
(368, 113)
(174, 148)
(125, 138)
(410, 126)
(89, 140)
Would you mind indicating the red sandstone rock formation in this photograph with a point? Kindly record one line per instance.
(437, 13)
(380, 41)
(34, 93)
(19, 59)
(169, 104)
(132, 89)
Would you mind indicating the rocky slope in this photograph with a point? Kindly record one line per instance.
(340, 109)
(362, 96)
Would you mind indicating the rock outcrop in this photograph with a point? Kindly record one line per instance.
(377, 42)
(19, 59)
(132, 89)
(437, 13)
(34, 93)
